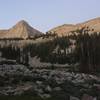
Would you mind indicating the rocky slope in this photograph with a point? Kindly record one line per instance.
(56, 84)
(67, 28)
(21, 30)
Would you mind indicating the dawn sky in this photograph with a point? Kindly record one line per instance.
(46, 14)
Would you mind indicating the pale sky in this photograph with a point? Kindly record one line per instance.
(46, 14)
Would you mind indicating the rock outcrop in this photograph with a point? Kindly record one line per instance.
(57, 84)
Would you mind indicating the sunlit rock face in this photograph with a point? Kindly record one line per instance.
(21, 30)
(67, 29)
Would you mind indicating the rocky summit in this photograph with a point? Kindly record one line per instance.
(21, 30)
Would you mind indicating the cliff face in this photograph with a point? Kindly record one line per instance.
(21, 30)
(65, 29)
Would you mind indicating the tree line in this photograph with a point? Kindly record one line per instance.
(86, 52)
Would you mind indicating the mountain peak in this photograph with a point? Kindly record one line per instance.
(22, 22)
(21, 30)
